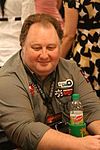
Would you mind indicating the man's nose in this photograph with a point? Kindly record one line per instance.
(44, 52)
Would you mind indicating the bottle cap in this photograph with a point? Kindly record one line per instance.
(75, 97)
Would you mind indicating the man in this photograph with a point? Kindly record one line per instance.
(36, 84)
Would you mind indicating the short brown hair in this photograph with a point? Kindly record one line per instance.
(42, 18)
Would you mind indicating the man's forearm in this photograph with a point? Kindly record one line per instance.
(53, 140)
(94, 127)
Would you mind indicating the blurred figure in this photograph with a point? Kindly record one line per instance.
(51, 7)
(12, 15)
(82, 33)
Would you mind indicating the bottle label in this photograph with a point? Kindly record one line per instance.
(76, 117)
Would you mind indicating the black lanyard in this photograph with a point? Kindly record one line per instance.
(47, 98)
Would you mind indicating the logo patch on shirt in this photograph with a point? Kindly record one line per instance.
(63, 92)
(68, 92)
(65, 88)
(65, 84)
(31, 89)
(59, 93)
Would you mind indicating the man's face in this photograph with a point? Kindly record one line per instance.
(41, 50)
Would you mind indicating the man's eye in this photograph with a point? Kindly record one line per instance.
(51, 48)
(36, 48)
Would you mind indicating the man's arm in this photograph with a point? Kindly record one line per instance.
(55, 140)
(94, 127)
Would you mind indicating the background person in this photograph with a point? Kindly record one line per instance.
(32, 90)
(50, 7)
(82, 35)
(12, 15)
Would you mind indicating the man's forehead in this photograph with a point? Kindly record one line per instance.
(38, 30)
